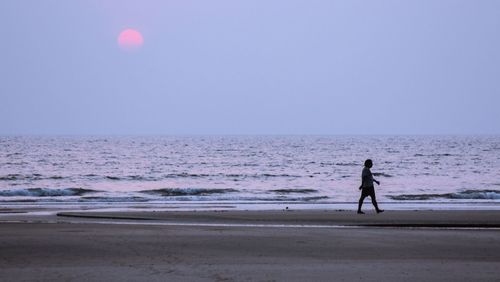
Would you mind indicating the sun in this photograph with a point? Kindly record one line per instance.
(130, 39)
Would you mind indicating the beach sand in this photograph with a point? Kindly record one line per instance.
(252, 246)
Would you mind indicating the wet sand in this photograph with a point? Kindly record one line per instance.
(252, 246)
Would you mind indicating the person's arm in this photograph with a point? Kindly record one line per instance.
(374, 180)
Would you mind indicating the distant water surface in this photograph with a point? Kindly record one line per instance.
(247, 168)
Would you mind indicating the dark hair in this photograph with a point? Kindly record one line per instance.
(368, 162)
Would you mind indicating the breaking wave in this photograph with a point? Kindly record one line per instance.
(464, 195)
(346, 164)
(112, 199)
(299, 191)
(35, 176)
(381, 174)
(300, 199)
(187, 191)
(192, 175)
(45, 192)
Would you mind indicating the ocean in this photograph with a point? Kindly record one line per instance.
(311, 170)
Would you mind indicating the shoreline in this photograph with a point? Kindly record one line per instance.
(245, 205)
(478, 219)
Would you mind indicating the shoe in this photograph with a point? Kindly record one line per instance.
(379, 211)
(360, 212)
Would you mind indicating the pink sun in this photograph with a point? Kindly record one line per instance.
(130, 39)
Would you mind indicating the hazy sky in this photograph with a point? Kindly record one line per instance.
(250, 67)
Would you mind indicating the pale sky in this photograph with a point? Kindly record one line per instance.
(250, 67)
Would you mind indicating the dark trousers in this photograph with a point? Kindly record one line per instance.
(365, 192)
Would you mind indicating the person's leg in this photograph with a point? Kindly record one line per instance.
(374, 201)
(360, 203)
(361, 199)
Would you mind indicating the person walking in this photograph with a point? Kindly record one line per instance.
(367, 188)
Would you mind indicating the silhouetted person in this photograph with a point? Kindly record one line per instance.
(367, 188)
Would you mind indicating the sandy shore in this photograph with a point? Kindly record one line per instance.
(251, 246)
(309, 217)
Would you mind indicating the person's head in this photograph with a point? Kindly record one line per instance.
(368, 163)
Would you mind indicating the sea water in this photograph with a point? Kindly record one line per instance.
(247, 169)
